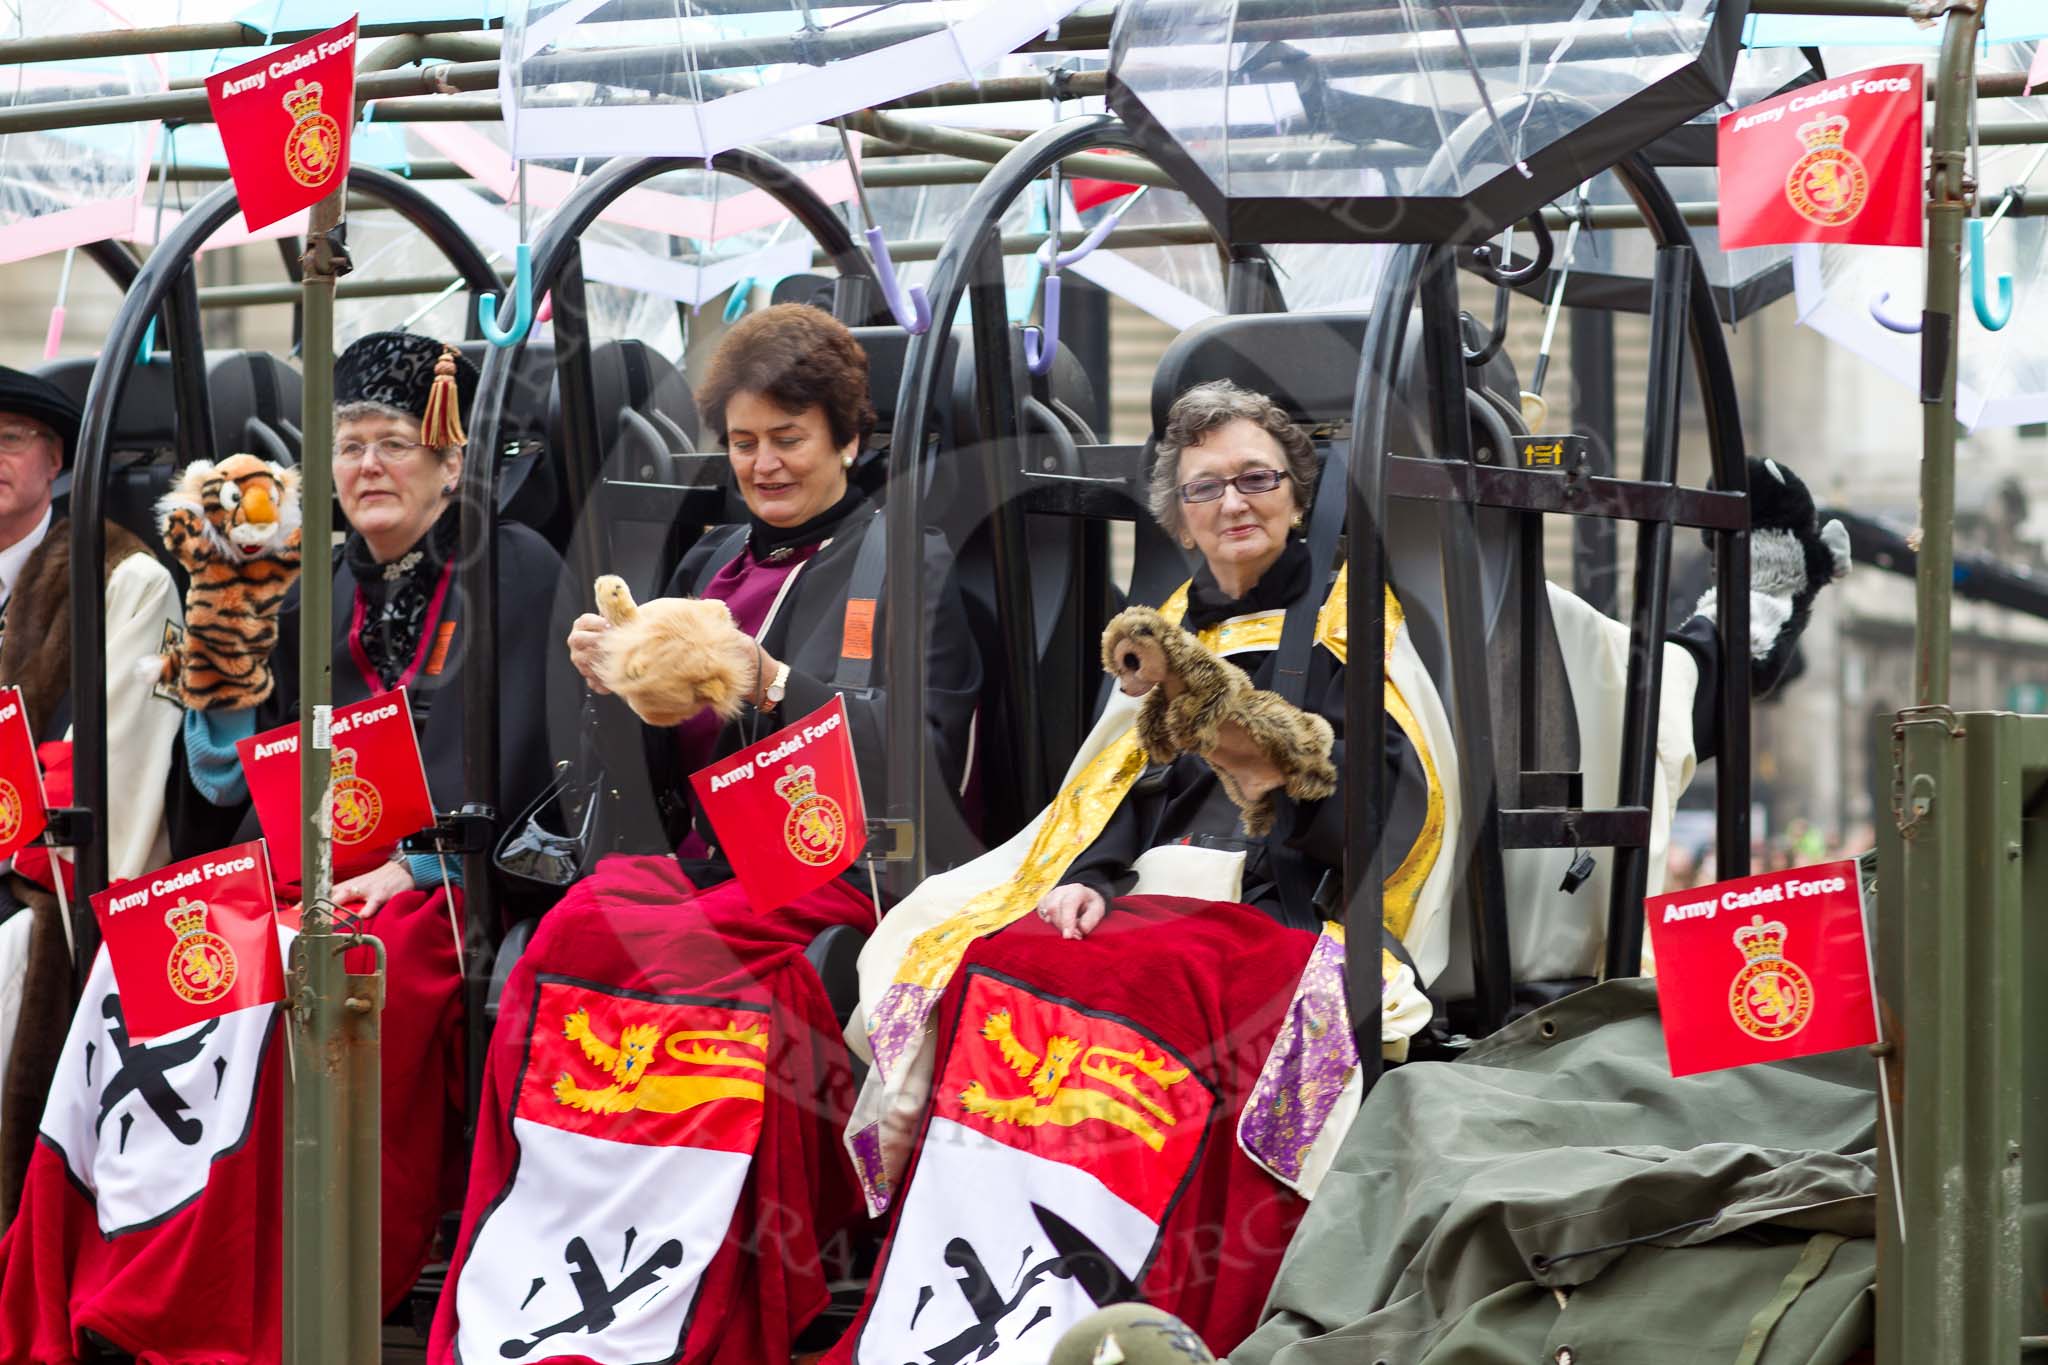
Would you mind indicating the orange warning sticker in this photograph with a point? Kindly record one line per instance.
(857, 641)
(438, 660)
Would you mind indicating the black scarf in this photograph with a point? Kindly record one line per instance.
(1285, 580)
(767, 542)
(396, 596)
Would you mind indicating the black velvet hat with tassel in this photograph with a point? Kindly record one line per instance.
(414, 374)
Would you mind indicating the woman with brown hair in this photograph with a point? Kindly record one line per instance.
(664, 1094)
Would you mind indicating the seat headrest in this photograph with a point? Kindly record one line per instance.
(146, 418)
(957, 421)
(1308, 363)
(257, 403)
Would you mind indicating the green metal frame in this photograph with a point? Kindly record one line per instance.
(1963, 904)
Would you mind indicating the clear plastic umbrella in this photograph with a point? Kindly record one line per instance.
(698, 77)
(66, 188)
(1868, 299)
(1415, 120)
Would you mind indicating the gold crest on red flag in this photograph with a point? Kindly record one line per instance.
(787, 809)
(1839, 162)
(284, 122)
(193, 940)
(380, 785)
(1763, 968)
(22, 814)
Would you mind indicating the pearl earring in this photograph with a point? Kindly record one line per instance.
(846, 461)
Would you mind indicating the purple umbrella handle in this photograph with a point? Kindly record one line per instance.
(1891, 324)
(1041, 344)
(913, 312)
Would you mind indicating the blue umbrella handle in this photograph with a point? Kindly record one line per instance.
(522, 303)
(1891, 324)
(736, 305)
(1041, 344)
(148, 344)
(913, 312)
(1994, 317)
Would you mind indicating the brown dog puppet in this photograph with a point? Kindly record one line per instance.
(1190, 695)
(674, 656)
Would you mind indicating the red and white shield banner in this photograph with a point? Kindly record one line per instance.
(636, 1121)
(1060, 1140)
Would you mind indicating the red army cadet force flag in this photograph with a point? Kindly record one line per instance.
(194, 940)
(787, 810)
(284, 120)
(380, 785)
(1836, 162)
(1763, 968)
(22, 809)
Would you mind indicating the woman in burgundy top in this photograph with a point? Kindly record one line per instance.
(787, 392)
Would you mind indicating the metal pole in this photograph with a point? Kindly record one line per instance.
(1645, 686)
(331, 1296)
(1594, 539)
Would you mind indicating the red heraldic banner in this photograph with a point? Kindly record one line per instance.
(284, 120)
(380, 785)
(787, 811)
(22, 809)
(1764, 968)
(194, 940)
(622, 1094)
(1837, 162)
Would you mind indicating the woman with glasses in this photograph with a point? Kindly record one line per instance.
(397, 612)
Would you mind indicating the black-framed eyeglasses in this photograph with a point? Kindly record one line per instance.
(1250, 483)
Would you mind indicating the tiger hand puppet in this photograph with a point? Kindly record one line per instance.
(235, 527)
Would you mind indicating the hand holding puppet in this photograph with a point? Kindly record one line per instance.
(235, 527)
(1191, 696)
(674, 656)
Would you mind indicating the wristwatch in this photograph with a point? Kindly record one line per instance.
(777, 687)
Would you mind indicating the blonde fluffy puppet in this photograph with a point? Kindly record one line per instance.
(672, 657)
(1190, 695)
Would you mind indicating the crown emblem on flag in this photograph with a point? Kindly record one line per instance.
(302, 101)
(187, 918)
(797, 785)
(1829, 130)
(1761, 942)
(357, 805)
(343, 765)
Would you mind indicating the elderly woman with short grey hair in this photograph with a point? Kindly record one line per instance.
(1232, 482)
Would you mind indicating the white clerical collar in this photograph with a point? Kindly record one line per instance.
(14, 558)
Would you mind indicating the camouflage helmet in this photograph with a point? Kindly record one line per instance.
(1131, 1334)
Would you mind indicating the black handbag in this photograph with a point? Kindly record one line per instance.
(564, 831)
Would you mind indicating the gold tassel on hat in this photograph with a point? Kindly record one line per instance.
(441, 424)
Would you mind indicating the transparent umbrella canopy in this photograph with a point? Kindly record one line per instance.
(698, 77)
(1868, 299)
(1415, 120)
(66, 188)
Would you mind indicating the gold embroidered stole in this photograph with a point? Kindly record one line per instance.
(1084, 805)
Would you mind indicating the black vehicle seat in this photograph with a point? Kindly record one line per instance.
(257, 400)
(528, 465)
(648, 433)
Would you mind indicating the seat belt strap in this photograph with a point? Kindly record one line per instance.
(857, 632)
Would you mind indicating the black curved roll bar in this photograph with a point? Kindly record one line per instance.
(1412, 273)
(557, 268)
(903, 642)
(166, 281)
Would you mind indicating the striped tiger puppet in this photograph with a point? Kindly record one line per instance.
(235, 527)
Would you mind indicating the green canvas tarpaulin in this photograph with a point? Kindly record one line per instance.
(1557, 1196)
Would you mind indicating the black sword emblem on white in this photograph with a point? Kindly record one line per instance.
(599, 1300)
(145, 1071)
(1075, 1257)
